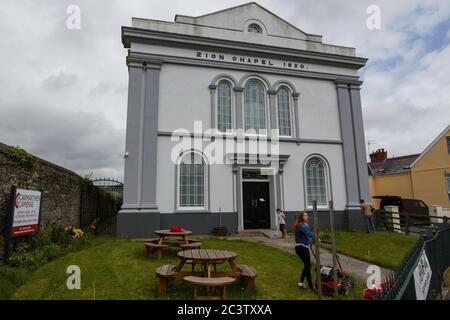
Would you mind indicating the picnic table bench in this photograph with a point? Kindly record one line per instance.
(221, 282)
(158, 248)
(249, 275)
(206, 277)
(160, 243)
(165, 273)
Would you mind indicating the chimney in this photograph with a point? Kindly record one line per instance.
(378, 156)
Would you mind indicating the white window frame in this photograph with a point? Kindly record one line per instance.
(205, 182)
(233, 106)
(327, 181)
(266, 111)
(291, 114)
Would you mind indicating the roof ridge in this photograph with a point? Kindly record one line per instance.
(406, 156)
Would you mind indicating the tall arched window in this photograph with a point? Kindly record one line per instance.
(255, 107)
(192, 182)
(284, 111)
(224, 112)
(316, 182)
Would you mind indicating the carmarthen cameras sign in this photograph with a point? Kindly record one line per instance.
(26, 212)
(422, 277)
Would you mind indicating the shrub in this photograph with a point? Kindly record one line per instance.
(60, 235)
(74, 232)
(22, 256)
(22, 157)
(48, 243)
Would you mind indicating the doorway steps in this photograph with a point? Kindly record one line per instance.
(257, 233)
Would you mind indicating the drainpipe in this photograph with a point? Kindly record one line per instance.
(411, 182)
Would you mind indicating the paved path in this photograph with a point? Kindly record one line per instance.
(354, 266)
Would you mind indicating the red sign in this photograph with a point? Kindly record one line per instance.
(24, 230)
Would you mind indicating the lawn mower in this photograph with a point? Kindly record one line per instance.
(343, 282)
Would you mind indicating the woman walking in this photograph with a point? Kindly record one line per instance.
(303, 234)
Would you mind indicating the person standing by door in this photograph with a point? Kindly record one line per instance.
(303, 234)
(281, 221)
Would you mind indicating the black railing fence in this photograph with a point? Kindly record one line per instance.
(101, 199)
(400, 285)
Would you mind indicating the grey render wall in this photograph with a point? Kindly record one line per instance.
(163, 57)
(201, 223)
(61, 188)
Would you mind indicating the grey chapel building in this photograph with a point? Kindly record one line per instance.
(246, 75)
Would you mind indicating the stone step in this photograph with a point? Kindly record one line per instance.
(250, 233)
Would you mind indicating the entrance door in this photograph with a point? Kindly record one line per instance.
(256, 205)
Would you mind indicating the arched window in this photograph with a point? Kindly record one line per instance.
(192, 182)
(224, 112)
(316, 182)
(254, 28)
(255, 107)
(284, 112)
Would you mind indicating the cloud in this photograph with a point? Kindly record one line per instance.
(69, 87)
(60, 81)
(81, 141)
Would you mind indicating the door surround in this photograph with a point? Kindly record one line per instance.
(263, 181)
(240, 162)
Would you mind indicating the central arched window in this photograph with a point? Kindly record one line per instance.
(284, 111)
(316, 182)
(192, 182)
(224, 112)
(256, 28)
(255, 107)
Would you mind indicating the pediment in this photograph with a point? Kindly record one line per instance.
(239, 18)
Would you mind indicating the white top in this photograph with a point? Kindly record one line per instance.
(281, 218)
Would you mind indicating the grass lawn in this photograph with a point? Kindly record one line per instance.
(10, 279)
(113, 269)
(386, 249)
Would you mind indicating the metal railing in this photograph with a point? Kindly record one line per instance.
(399, 285)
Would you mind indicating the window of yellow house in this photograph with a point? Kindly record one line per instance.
(448, 145)
(447, 179)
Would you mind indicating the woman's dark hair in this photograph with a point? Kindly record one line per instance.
(278, 209)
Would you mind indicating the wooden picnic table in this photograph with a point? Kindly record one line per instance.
(205, 258)
(160, 243)
(170, 234)
(208, 257)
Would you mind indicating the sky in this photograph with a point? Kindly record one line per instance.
(63, 92)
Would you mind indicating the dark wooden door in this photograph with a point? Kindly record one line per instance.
(256, 205)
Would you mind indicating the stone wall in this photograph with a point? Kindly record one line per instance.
(61, 188)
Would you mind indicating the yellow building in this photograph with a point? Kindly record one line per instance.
(424, 176)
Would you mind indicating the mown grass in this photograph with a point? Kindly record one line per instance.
(113, 269)
(386, 249)
(10, 279)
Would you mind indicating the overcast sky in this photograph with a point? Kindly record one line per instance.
(63, 93)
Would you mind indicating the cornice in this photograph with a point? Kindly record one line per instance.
(130, 34)
(248, 68)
